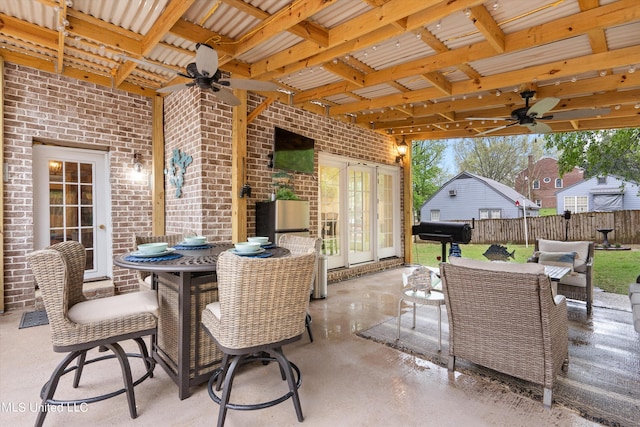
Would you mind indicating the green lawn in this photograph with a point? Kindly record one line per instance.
(613, 270)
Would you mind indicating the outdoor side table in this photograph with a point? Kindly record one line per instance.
(425, 298)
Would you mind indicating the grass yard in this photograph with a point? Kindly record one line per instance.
(613, 270)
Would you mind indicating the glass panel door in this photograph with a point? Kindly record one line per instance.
(359, 195)
(329, 213)
(388, 214)
(65, 185)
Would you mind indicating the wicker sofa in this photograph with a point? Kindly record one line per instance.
(503, 316)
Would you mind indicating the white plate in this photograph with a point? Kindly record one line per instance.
(192, 244)
(234, 251)
(148, 255)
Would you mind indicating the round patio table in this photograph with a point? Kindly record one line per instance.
(185, 285)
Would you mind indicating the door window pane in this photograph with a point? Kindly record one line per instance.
(385, 211)
(329, 208)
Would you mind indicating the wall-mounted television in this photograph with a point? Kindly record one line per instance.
(292, 151)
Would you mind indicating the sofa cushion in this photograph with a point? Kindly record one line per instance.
(581, 248)
(560, 259)
(509, 267)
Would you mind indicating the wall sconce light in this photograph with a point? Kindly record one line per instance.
(402, 150)
(137, 163)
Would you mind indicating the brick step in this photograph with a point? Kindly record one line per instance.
(91, 290)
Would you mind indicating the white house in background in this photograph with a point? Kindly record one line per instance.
(468, 196)
(598, 194)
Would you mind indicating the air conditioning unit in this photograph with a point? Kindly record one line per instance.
(452, 192)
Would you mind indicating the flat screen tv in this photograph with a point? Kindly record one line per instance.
(292, 151)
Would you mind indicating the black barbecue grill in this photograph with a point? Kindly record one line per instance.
(443, 232)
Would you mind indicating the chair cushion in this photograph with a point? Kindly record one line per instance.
(560, 259)
(509, 267)
(581, 248)
(108, 308)
(214, 307)
(575, 279)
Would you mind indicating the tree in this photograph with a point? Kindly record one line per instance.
(604, 152)
(427, 176)
(497, 158)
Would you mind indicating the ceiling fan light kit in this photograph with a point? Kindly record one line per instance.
(205, 74)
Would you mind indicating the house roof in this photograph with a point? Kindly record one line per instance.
(426, 69)
(507, 192)
(605, 189)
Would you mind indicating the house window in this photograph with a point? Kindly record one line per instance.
(435, 214)
(558, 182)
(539, 202)
(602, 180)
(546, 180)
(490, 213)
(576, 204)
(536, 184)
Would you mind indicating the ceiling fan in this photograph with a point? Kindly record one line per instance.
(529, 116)
(205, 74)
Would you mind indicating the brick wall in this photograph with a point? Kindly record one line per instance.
(48, 107)
(194, 116)
(546, 167)
(54, 108)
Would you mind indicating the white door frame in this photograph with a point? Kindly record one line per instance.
(101, 201)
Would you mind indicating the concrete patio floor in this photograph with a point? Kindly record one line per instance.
(346, 380)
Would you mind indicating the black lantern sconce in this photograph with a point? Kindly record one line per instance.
(402, 148)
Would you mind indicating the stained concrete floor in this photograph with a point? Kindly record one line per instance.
(346, 380)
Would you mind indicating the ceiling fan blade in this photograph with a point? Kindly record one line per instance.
(578, 114)
(249, 84)
(538, 127)
(493, 130)
(149, 64)
(206, 60)
(542, 107)
(224, 95)
(488, 118)
(174, 88)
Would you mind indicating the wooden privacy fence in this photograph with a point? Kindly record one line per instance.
(583, 226)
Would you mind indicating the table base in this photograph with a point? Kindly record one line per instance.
(182, 347)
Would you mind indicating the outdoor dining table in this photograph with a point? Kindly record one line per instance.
(186, 283)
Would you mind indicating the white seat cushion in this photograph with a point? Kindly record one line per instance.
(575, 279)
(108, 308)
(214, 307)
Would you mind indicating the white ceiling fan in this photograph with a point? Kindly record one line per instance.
(528, 116)
(205, 74)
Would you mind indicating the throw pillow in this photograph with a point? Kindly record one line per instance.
(560, 259)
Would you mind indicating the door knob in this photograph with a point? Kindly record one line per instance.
(101, 227)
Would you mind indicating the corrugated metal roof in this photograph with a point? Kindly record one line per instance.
(295, 58)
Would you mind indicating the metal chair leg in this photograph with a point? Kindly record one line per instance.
(307, 322)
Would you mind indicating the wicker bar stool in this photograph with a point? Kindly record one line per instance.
(299, 245)
(79, 325)
(144, 277)
(262, 306)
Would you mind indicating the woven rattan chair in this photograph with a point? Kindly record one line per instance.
(299, 245)
(144, 277)
(579, 283)
(79, 325)
(503, 316)
(262, 305)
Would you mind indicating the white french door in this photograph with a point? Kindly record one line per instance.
(360, 214)
(71, 200)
